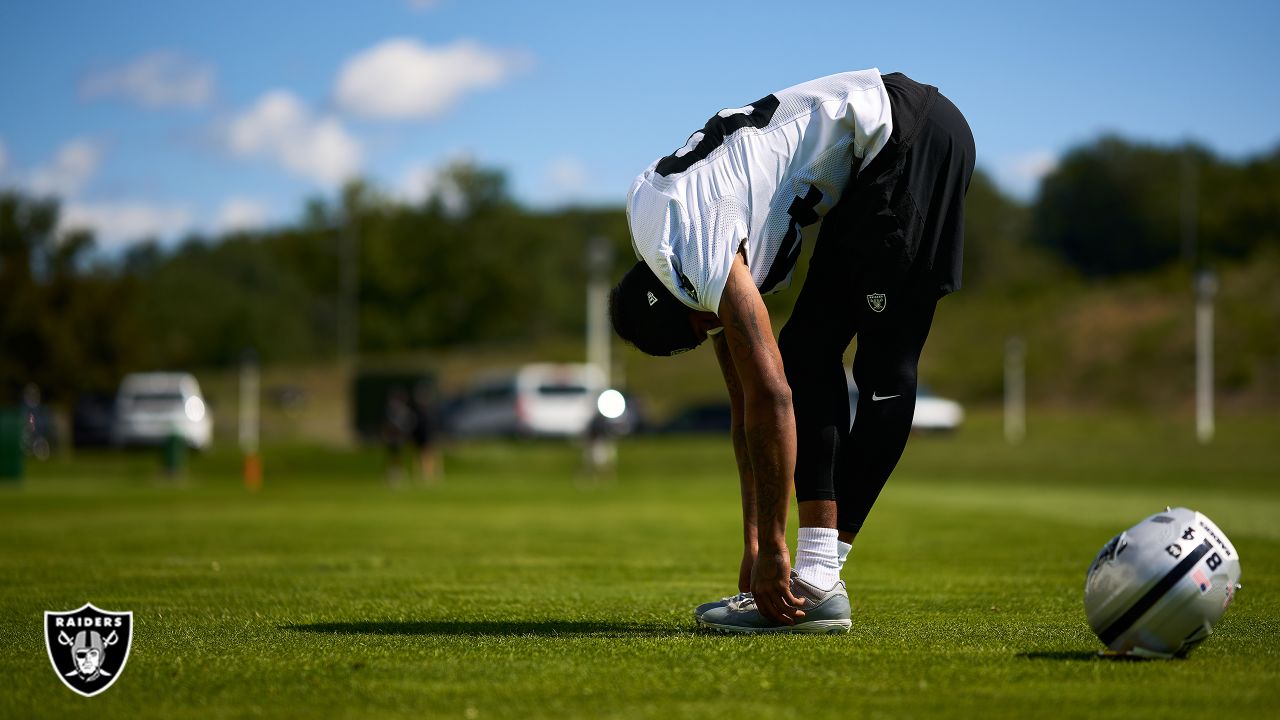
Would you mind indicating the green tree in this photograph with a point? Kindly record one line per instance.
(1116, 206)
(997, 247)
(1111, 207)
(65, 328)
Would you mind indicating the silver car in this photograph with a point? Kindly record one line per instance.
(152, 406)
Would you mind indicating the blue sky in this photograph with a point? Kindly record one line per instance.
(150, 117)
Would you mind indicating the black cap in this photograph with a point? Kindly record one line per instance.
(648, 316)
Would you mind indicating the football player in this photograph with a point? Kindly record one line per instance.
(717, 224)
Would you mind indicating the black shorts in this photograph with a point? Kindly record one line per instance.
(901, 218)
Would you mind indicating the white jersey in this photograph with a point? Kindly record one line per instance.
(753, 178)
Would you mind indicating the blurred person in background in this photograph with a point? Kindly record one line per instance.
(39, 435)
(718, 223)
(397, 426)
(425, 434)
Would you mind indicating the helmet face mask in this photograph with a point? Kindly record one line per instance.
(1156, 589)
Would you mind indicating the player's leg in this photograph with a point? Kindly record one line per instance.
(885, 369)
(919, 261)
(812, 343)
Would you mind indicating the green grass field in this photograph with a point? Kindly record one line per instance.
(512, 590)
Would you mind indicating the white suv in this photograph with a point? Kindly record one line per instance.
(152, 406)
(540, 399)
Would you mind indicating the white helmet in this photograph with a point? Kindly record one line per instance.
(1157, 588)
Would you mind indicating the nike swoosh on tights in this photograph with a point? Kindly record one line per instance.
(878, 398)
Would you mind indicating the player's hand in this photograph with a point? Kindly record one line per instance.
(771, 586)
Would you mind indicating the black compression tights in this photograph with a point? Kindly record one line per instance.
(835, 462)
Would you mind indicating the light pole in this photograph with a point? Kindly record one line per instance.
(1015, 390)
(1206, 289)
(601, 452)
(249, 425)
(599, 262)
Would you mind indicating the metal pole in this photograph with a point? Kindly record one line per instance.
(249, 426)
(1015, 390)
(600, 449)
(1206, 288)
(599, 259)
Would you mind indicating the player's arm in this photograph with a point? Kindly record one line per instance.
(770, 431)
(746, 479)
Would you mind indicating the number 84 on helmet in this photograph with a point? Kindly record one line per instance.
(1156, 589)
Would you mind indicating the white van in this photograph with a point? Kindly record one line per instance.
(152, 406)
(541, 399)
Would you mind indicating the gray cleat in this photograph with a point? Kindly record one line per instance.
(702, 609)
(825, 612)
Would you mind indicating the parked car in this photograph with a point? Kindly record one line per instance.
(152, 406)
(537, 400)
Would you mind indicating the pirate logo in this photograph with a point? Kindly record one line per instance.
(88, 647)
(876, 301)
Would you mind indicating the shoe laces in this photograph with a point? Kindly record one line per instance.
(741, 602)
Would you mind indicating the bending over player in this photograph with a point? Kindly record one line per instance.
(718, 224)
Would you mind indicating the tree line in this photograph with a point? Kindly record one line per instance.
(361, 273)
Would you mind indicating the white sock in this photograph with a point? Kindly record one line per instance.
(817, 559)
(842, 550)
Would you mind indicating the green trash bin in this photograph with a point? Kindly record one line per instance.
(174, 453)
(11, 424)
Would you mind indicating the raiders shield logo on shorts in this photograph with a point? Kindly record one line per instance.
(876, 301)
(88, 647)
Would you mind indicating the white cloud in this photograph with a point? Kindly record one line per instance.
(279, 127)
(162, 79)
(64, 176)
(566, 178)
(402, 78)
(240, 213)
(114, 223)
(417, 183)
(1021, 174)
(423, 181)
(117, 224)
